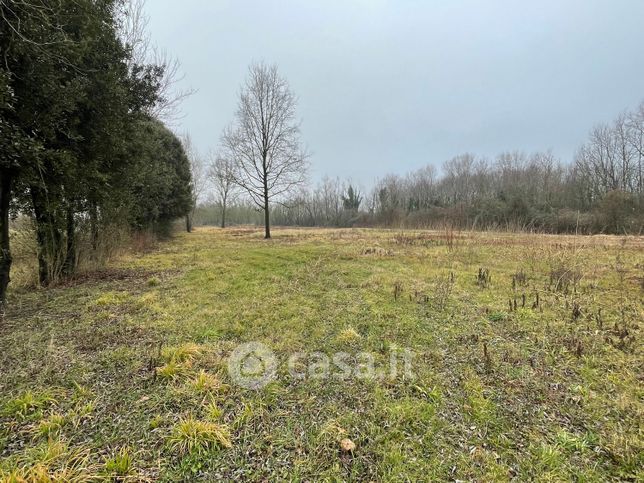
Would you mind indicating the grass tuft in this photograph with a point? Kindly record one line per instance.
(191, 435)
(348, 335)
(204, 382)
(183, 353)
(51, 425)
(173, 370)
(153, 282)
(213, 411)
(120, 464)
(26, 404)
(54, 461)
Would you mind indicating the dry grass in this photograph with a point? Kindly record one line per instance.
(531, 371)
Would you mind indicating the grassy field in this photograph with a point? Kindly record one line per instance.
(526, 360)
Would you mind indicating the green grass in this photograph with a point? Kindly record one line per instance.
(125, 376)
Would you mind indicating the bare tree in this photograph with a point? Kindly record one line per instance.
(611, 159)
(329, 198)
(264, 142)
(134, 30)
(199, 175)
(421, 187)
(222, 176)
(135, 34)
(171, 95)
(636, 129)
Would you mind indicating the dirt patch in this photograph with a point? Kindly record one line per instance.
(129, 275)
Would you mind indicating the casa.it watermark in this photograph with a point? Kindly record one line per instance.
(254, 365)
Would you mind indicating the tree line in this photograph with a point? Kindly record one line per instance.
(82, 146)
(600, 191)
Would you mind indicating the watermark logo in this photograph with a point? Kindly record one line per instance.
(253, 365)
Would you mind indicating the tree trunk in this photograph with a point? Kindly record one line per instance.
(223, 213)
(48, 236)
(5, 249)
(267, 221)
(93, 221)
(189, 223)
(69, 265)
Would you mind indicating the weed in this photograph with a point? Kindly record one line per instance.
(183, 353)
(442, 290)
(51, 425)
(548, 457)
(26, 404)
(561, 279)
(621, 337)
(172, 369)
(204, 382)
(213, 412)
(120, 464)
(54, 462)
(487, 358)
(576, 310)
(153, 282)
(419, 297)
(483, 278)
(519, 279)
(156, 422)
(404, 239)
(450, 238)
(83, 411)
(81, 392)
(376, 251)
(348, 335)
(570, 442)
(398, 290)
(111, 299)
(191, 435)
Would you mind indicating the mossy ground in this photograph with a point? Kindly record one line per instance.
(123, 373)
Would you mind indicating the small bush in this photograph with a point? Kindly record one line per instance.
(443, 287)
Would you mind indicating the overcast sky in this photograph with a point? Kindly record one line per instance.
(390, 86)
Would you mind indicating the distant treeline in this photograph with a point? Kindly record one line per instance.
(601, 191)
(83, 153)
